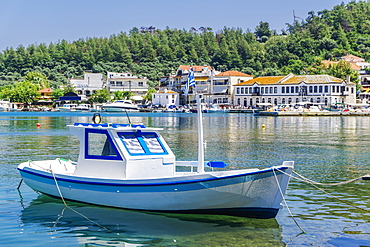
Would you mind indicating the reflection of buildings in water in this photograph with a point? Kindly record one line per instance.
(109, 226)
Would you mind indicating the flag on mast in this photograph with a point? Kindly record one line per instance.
(190, 82)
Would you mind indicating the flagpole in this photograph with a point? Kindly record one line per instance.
(200, 135)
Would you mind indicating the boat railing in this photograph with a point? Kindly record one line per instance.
(192, 164)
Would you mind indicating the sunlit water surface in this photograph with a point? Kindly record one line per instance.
(325, 149)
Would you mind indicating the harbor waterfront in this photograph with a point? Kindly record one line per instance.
(325, 149)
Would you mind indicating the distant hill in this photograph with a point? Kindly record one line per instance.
(154, 53)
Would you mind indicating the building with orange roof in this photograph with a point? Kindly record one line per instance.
(291, 89)
(166, 98)
(216, 87)
(46, 93)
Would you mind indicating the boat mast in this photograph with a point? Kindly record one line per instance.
(200, 135)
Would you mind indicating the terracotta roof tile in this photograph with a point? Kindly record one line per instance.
(195, 67)
(291, 79)
(46, 90)
(233, 73)
(262, 80)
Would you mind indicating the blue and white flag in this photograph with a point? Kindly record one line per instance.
(190, 82)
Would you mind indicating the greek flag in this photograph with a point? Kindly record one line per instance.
(190, 82)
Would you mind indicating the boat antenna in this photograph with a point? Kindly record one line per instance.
(129, 121)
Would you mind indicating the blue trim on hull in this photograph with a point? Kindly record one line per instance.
(152, 184)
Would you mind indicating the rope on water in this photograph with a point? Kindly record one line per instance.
(286, 204)
(61, 196)
(313, 183)
(326, 184)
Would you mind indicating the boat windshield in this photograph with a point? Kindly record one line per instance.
(142, 143)
(99, 145)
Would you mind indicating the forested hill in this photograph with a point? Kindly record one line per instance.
(154, 53)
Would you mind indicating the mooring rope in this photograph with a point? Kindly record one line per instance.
(313, 183)
(61, 196)
(286, 204)
(327, 184)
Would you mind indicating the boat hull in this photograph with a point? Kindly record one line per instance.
(249, 194)
(119, 109)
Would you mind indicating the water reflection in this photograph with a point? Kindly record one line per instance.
(112, 227)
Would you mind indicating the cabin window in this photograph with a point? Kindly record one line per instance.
(99, 145)
(138, 143)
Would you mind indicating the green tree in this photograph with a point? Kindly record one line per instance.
(22, 92)
(263, 29)
(149, 95)
(38, 79)
(100, 96)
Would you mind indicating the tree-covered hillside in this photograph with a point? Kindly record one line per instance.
(154, 53)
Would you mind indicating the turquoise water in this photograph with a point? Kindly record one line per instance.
(325, 149)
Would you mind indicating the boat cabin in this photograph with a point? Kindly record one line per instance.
(122, 151)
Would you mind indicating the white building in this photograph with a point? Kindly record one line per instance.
(89, 84)
(127, 82)
(166, 98)
(292, 89)
(216, 87)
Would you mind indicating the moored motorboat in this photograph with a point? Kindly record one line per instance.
(131, 166)
(67, 107)
(120, 105)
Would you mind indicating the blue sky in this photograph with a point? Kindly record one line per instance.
(25, 22)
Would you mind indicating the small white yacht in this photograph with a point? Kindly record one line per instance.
(120, 105)
(68, 107)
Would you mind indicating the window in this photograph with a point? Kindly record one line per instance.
(270, 90)
(315, 89)
(142, 143)
(275, 89)
(238, 101)
(262, 90)
(118, 83)
(140, 84)
(283, 90)
(250, 90)
(326, 89)
(237, 90)
(99, 145)
(310, 89)
(287, 89)
(242, 90)
(320, 89)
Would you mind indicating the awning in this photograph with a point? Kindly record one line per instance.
(220, 89)
(65, 98)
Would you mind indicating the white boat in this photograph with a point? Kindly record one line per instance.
(15, 107)
(68, 107)
(214, 108)
(4, 105)
(83, 107)
(131, 166)
(120, 105)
